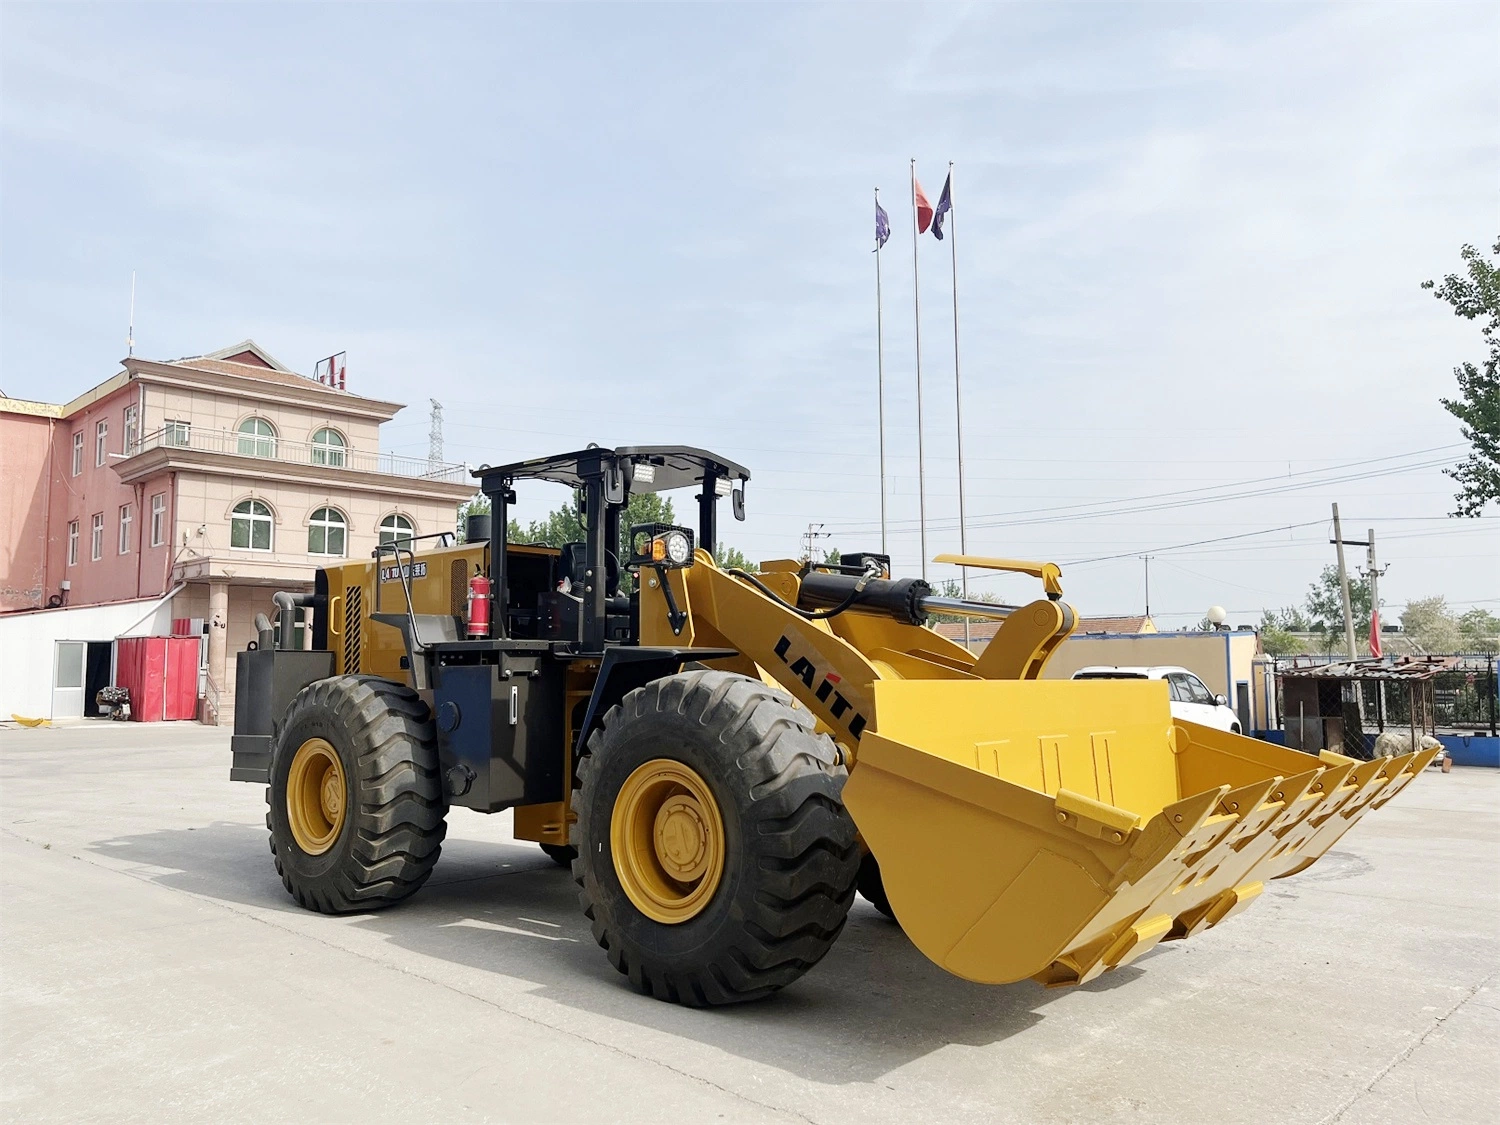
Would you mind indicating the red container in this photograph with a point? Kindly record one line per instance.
(162, 675)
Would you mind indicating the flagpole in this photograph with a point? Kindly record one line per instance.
(916, 296)
(958, 397)
(880, 377)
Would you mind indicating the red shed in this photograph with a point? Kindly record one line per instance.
(162, 675)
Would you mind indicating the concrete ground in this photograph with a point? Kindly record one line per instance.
(154, 970)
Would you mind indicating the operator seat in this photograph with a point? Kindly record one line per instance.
(574, 566)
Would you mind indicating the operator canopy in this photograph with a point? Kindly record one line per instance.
(648, 468)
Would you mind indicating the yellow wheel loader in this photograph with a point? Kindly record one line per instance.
(725, 757)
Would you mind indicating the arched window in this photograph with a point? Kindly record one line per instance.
(326, 532)
(396, 528)
(257, 438)
(250, 526)
(328, 449)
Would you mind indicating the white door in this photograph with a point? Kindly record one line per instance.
(67, 679)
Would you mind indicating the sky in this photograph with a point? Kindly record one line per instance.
(1189, 244)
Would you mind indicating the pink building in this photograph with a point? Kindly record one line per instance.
(218, 478)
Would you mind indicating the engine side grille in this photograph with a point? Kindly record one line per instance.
(458, 588)
(353, 624)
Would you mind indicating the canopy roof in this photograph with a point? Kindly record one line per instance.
(670, 466)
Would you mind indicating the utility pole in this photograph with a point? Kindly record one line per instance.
(1339, 541)
(1343, 579)
(810, 538)
(1375, 573)
(1147, 560)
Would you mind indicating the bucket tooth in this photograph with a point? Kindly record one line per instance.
(1337, 814)
(1413, 764)
(1171, 832)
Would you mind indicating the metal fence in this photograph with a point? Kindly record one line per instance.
(182, 436)
(1463, 698)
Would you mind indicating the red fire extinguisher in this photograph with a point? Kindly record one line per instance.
(479, 607)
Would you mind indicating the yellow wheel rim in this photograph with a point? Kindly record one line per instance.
(315, 800)
(667, 837)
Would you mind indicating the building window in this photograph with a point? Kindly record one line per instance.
(96, 543)
(101, 441)
(73, 543)
(124, 529)
(326, 532)
(250, 526)
(158, 519)
(132, 429)
(175, 432)
(78, 453)
(257, 438)
(396, 528)
(328, 449)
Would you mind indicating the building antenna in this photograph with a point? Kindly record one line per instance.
(130, 332)
(435, 436)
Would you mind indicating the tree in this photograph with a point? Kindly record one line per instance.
(564, 525)
(1289, 619)
(1476, 297)
(953, 588)
(732, 558)
(479, 505)
(1276, 637)
(1325, 604)
(1430, 625)
(1480, 629)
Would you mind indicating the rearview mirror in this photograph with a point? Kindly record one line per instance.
(737, 500)
(1221, 701)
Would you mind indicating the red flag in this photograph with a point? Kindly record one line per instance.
(1375, 633)
(924, 209)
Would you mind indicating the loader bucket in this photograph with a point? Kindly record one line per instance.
(1058, 829)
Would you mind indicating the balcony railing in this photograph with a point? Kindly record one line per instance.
(179, 436)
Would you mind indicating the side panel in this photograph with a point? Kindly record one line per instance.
(438, 579)
(500, 731)
(265, 683)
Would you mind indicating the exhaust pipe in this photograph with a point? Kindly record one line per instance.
(287, 606)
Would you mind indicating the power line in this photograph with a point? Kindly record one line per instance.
(1174, 499)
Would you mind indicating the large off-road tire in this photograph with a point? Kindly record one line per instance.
(872, 887)
(357, 808)
(720, 779)
(561, 854)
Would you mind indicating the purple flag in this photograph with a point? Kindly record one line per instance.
(945, 204)
(882, 225)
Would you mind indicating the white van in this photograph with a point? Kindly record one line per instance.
(1191, 700)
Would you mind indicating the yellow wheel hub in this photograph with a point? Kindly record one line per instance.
(668, 841)
(315, 805)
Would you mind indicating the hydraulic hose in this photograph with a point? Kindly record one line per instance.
(807, 615)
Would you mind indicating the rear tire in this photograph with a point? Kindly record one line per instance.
(785, 857)
(561, 854)
(379, 841)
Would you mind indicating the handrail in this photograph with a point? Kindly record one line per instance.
(404, 574)
(280, 450)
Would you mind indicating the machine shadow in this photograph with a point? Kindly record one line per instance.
(872, 1005)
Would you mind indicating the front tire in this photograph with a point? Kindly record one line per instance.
(356, 801)
(716, 860)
